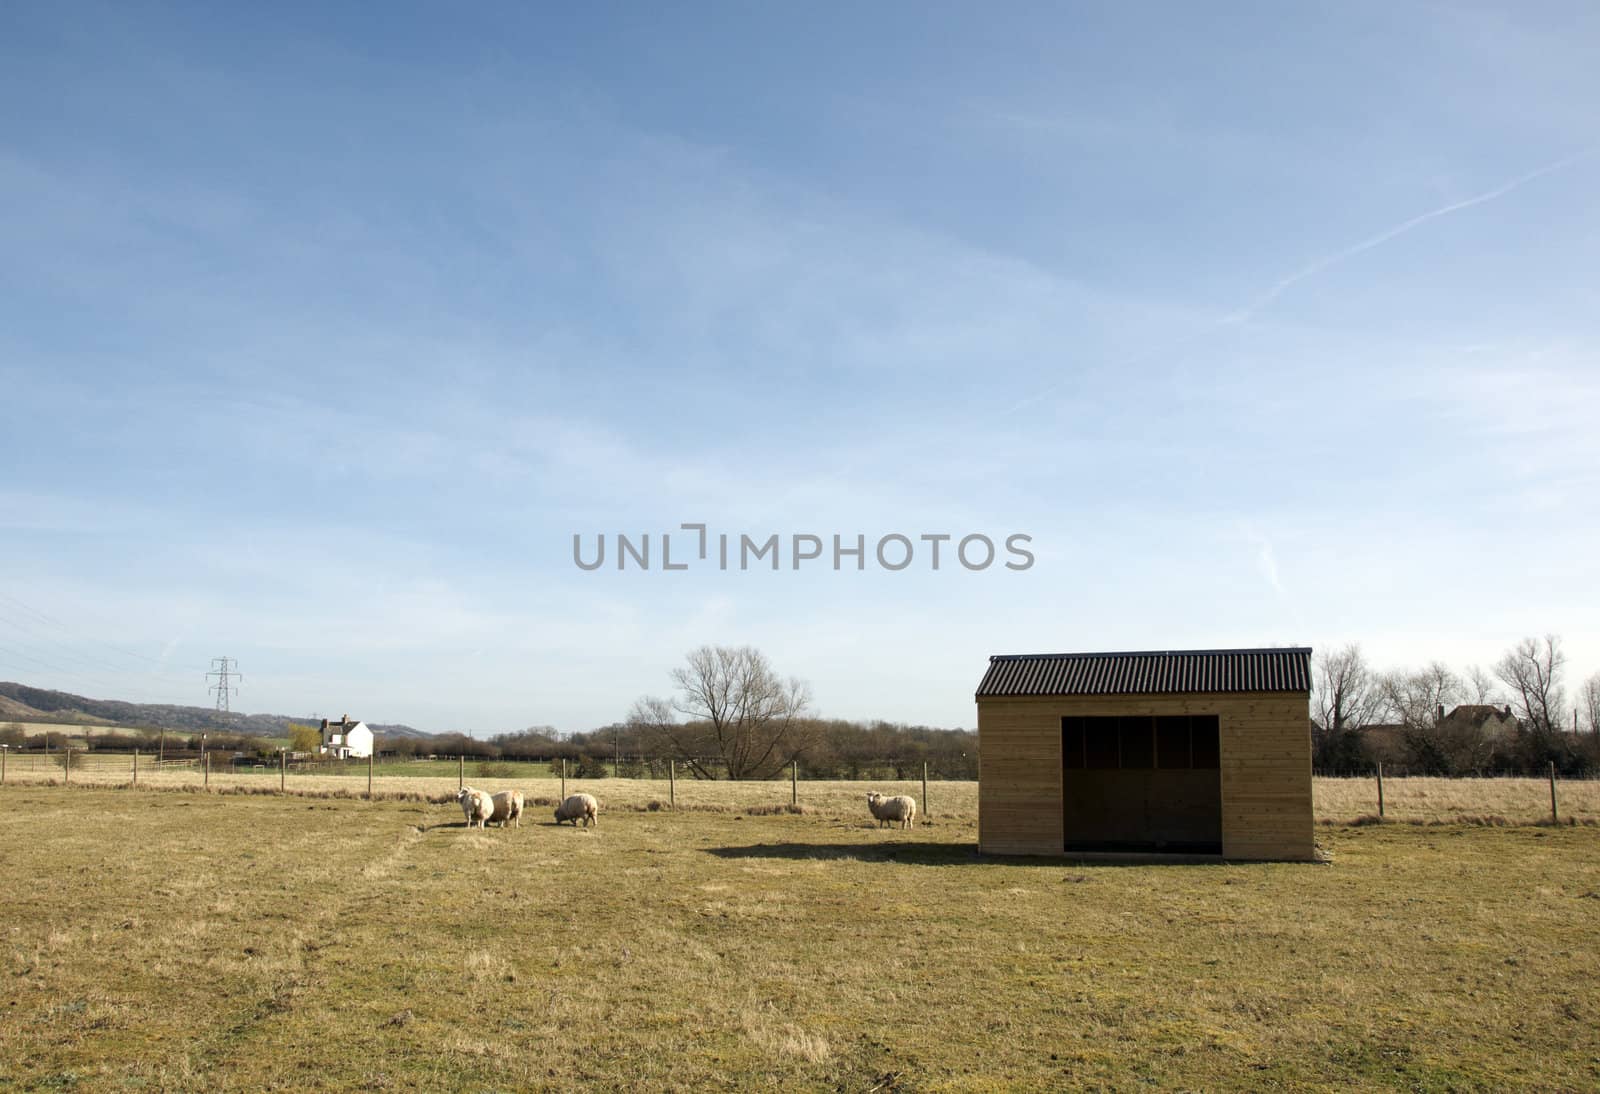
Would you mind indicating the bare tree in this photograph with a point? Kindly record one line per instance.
(1590, 698)
(1480, 687)
(1345, 699)
(1532, 670)
(738, 711)
(1345, 694)
(1418, 699)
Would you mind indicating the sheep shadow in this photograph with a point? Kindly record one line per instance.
(458, 825)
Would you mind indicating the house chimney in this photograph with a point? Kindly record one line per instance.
(1440, 718)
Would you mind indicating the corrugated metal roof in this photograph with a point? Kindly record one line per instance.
(1284, 669)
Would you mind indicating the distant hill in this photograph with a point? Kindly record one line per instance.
(20, 703)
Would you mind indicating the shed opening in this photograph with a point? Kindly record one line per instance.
(1142, 783)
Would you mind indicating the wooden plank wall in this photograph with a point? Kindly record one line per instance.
(1266, 769)
(1019, 777)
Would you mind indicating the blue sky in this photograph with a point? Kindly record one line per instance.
(322, 333)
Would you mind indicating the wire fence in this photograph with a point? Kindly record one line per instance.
(1507, 800)
(546, 780)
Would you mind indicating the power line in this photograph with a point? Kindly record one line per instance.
(102, 672)
(95, 672)
(103, 675)
(41, 663)
(54, 622)
(74, 645)
(96, 681)
(76, 653)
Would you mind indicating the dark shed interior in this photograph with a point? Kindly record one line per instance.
(1142, 783)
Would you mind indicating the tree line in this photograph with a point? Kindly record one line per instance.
(832, 749)
(732, 716)
(1516, 717)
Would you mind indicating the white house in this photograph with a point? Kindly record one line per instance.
(346, 739)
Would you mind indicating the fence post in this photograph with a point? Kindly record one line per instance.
(136, 767)
(563, 778)
(66, 765)
(3, 752)
(283, 769)
(925, 790)
(1380, 789)
(672, 783)
(1555, 817)
(794, 782)
(370, 757)
(205, 764)
(461, 774)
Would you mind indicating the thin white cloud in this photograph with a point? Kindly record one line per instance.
(1167, 348)
(1321, 264)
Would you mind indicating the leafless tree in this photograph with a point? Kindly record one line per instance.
(1345, 693)
(1420, 699)
(1423, 698)
(1480, 687)
(1590, 699)
(737, 710)
(1532, 670)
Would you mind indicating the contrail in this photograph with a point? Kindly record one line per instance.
(1245, 313)
(1398, 230)
(1248, 311)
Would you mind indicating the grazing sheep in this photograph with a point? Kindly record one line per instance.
(576, 806)
(900, 808)
(476, 804)
(507, 808)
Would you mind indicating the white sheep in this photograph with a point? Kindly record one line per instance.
(901, 807)
(507, 808)
(579, 806)
(476, 804)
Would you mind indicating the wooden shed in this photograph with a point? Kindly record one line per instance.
(1177, 752)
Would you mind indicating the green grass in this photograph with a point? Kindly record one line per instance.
(200, 941)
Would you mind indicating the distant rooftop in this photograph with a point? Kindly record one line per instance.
(1281, 669)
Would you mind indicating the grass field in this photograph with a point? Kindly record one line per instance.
(209, 941)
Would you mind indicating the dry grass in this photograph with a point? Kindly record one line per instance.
(1337, 801)
(208, 941)
(1454, 801)
(74, 730)
(950, 798)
